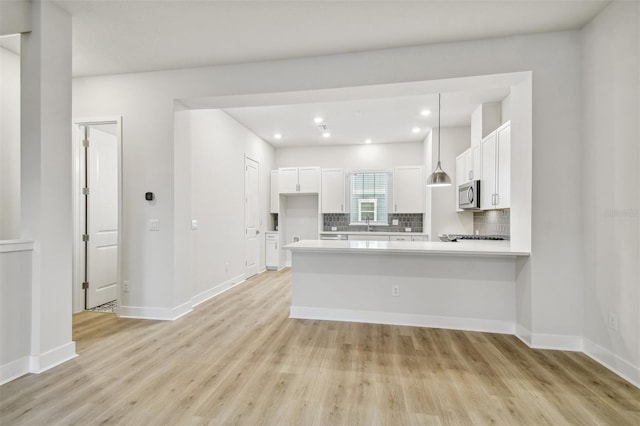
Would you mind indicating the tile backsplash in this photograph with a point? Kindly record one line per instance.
(341, 222)
(492, 222)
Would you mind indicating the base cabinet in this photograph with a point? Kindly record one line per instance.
(272, 255)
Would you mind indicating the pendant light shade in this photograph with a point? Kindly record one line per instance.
(438, 177)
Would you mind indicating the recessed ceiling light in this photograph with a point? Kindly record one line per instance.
(318, 120)
(326, 135)
(416, 130)
(425, 113)
(367, 141)
(277, 136)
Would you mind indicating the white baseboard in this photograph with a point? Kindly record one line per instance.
(558, 342)
(14, 369)
(214, 291)
(151, 313)
(53, 358)
(523, 334)
(390, 318)
(613, 362)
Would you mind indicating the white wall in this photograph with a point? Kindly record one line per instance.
(611, 198)
(444, 218)
(352, 157)
(146, 101)
(15, 309)
(15, 17)
(9, 145)
(218, 146)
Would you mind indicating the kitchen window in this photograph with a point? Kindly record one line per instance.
(369, 197)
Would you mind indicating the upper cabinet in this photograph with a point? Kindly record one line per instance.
(408, 189)
(469, 165)
(275, 194)
(333, 191)
(298, 180)
(496, 169)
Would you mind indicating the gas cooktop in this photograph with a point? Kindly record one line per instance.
(476, 237)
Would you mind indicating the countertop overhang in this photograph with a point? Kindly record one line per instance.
(460, 248)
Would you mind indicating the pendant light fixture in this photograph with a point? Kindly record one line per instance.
(438, 177)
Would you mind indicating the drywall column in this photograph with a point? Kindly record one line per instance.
(182, 232)
(46, 180)
(9, 145)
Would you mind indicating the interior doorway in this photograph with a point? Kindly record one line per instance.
(97, 214)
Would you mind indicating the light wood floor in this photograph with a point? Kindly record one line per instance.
(238, 359)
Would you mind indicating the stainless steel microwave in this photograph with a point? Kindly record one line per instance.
(469, 195)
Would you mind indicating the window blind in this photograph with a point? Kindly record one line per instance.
(369, 186)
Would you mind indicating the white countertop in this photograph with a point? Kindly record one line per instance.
(464, 248)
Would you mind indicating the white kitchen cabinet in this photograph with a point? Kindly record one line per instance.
(272, 254)
(496, 169)
(333, 191)
(408, 189)
(275, 193)
(469, 165)
(473, 163)
(298, 180)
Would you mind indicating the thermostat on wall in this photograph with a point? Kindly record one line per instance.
(148, 196)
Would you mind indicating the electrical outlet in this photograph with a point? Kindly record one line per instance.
(125, 286)
(334, 228)
(395, 290)
(613, 321)
(394, 222)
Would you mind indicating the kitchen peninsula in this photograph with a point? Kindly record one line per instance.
(466, 285)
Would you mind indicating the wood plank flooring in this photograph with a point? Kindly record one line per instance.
(239, 359)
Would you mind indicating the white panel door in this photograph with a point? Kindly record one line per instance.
(251, 216)
(102, 218)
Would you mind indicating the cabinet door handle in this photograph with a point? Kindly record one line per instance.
(342, 207)
(396, 207)
(297, 187)
(276, 246)
(470, 174)
(497, 199)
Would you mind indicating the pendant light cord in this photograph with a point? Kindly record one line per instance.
(439, 95)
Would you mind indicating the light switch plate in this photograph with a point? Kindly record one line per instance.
(194, 224)
(334, 228)
(154, 225)
(395, 222)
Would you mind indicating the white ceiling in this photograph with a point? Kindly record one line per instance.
(383, 120)
(120, 36)
(123, 36)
